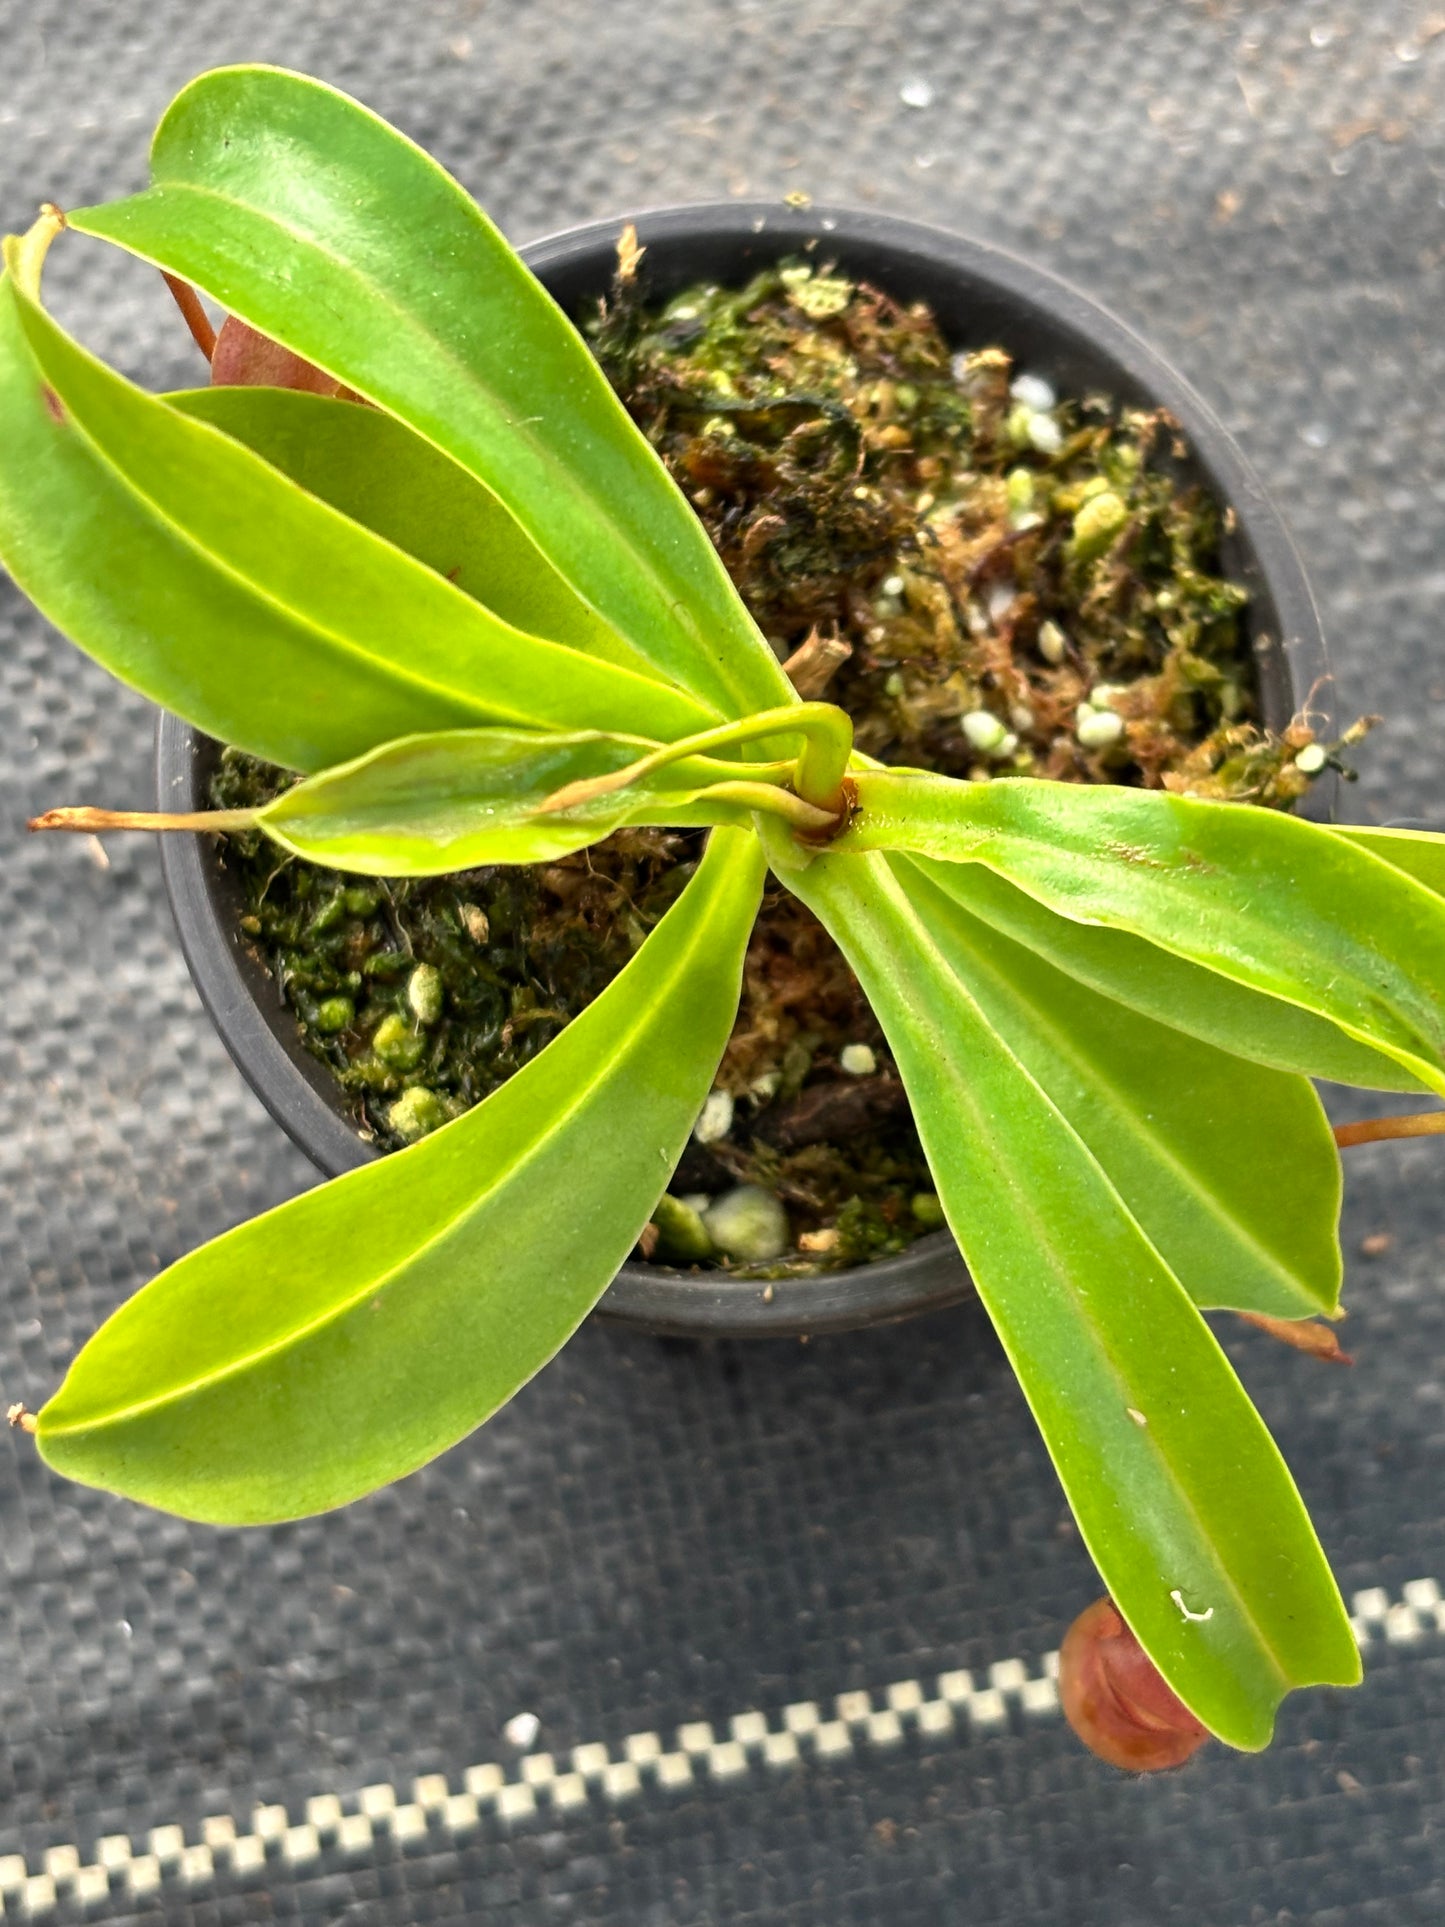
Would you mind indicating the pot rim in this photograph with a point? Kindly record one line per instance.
(1294, 671)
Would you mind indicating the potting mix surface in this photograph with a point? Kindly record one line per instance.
(994, 578)
(732, 1633)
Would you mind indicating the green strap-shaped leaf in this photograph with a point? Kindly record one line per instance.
(201, 576)
(1231, 1169)
(349, 1336)
(1180, 1494)
(1184, 995)
(1419, 853)
(1267, 900)
(325, 228)
(460, 799)
(378, 471)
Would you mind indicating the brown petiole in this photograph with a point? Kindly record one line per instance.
(1373, 1130)
(93, 821)
(196, 318)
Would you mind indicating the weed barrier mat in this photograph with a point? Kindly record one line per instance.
(741, 1634)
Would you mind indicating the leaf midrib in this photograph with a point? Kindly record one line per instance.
(1090, 1072)
(1406, 1053)
(1046, 1244)
(299, 1335)
(553, 465)
(989, 845)
(640, 665)
(339, 641)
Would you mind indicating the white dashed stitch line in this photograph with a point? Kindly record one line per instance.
(248, 1855)
(749, 1729)
(324, 1812)
(935, 1717)
(569, 1791)
(269, 1823)
(855, 1723)
(355, 1835)
(459, 1813)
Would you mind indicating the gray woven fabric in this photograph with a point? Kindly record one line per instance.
(652, 1536)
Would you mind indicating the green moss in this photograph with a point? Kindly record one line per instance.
(453, 983)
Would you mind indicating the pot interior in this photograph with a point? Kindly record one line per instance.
(980, 297)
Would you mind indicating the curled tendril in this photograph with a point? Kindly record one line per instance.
(1116, 1700)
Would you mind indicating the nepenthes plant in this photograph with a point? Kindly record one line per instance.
(1106, 1003)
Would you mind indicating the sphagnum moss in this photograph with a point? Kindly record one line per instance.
(992, 580)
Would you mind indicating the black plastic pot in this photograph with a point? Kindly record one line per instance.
(980, 296)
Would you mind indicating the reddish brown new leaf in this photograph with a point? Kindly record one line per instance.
(242, 358)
